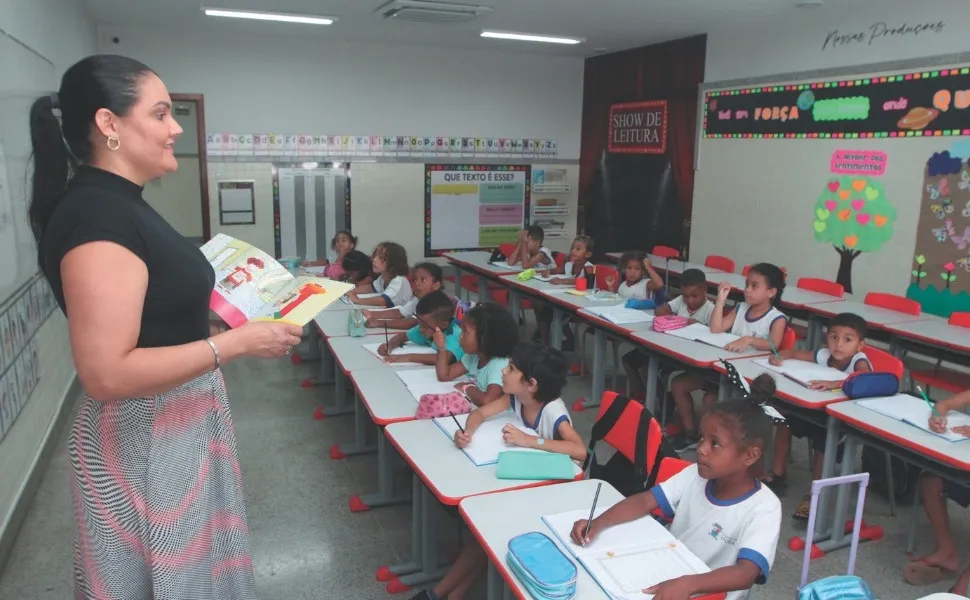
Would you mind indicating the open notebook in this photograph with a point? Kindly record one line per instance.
(702, 333)
(620, 315)
(802, 371)
(629, 558)
(405, 349)
(915, 412)
(505, 265)
(425, 381)
(487, 442)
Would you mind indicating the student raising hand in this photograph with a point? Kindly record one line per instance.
(723, 291)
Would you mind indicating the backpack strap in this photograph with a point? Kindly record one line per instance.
(602, 426)
(640, 454)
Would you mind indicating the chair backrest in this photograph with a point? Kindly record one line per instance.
(883, 361)
(821, 286)
(960, 319)
(604, 271)
(894, 302)
(721, 263)
(506, 249)
(623, 435)
(788, 340)
(665, 252)
(560, 259)
(670, 466)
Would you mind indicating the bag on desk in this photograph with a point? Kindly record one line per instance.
(870, 384)
(356, 324)
(669, 323)
(542, 567)
(838, 587)
(434, 406)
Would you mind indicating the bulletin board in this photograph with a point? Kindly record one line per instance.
(474, 206)
(845, 200)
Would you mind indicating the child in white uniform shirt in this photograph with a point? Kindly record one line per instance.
(532, 382)
(391, 286)
(639, 280)
(579, 254)
(529, 251)
(426, 277)
(720, 511)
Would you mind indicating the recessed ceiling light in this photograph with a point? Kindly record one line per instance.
(529, 37)
(268, 16)
(808, 3)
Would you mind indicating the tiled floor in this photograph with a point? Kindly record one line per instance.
(307, 544)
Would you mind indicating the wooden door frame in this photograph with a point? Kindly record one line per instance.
(203, 165)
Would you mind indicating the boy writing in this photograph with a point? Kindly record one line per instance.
(434, 311)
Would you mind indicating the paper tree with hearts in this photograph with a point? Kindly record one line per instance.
(854, 215)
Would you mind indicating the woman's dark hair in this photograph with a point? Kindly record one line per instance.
(754, 426)
(60, 145)
(498, 333)
(775, 278)
(396, 258)
(546, 365)
(637, 255)
(333, 242)
(431, 269)
(357, 262)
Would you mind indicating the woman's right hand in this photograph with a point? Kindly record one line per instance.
(579, 531)
(264, 339)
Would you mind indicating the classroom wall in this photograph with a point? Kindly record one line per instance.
(386, 199)
(178, 198)
(306, 84)
(59, 31)
(795, 44)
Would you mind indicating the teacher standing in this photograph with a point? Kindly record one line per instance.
(157, 491)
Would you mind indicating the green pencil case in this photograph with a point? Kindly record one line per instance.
(533, 465)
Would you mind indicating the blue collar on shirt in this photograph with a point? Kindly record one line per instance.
(535, 425)
(709, 492)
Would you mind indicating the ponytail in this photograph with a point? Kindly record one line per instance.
(53, 163)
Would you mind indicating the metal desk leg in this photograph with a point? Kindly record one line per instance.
(506, 593)
(599, 368)
(482, 289)
(457, 281)
(494, 583)
(308, 349)
(653, 372)
(431, 570)
(814, 331)
(722, 388)
(838, 539)
(515, 304)
(361, 421)
(326, 366)
(555, 336)
(393, 571)
(823, 525)
(385, 495)
(340, 406)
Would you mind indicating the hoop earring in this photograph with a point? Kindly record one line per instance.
(114, 142)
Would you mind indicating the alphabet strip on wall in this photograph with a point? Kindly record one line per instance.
(345, 146)
(19, 362)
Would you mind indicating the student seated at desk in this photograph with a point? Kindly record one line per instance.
(575, 266)
(341, 244)
(844, 343)
(756, 321)
(721, 511)
(436, 328)
(529, 251)
(638, 279)
(390, 261)
(488, 337)
(944, 561)
(532, 381)
(357, 269)
(426, 277)
(693, 304)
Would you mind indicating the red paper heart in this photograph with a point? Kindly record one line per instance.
(833, 186)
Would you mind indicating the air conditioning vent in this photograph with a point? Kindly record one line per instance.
(429, 11)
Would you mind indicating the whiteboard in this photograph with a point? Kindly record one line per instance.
(23, 77)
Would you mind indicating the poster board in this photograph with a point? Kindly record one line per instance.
(474, 206)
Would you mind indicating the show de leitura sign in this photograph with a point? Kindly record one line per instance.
(914, 104)
(638, 127)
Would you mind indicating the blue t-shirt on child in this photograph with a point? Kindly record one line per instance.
(489, 374)
(452, 344)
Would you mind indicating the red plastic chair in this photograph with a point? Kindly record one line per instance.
(722, 263)
(883, 362)
(945, 379)
(665, 252)
(603, 272)
(670, 466)
(822, 286)
(623, 435)
(894, 302)
(506, 249)
(789, 339)
(560, 259)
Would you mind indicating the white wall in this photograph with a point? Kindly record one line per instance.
(304, 84)
(796, 44)
(59, 31)
(178, 197)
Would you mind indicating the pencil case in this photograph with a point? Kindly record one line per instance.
(433, 406)
(870, 384)
(540, 565)
(838, 587)
(669, 323)
(356, 324)
(639, 304)
(526, 275)
(536, 466)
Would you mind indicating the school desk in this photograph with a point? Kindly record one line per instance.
(476, 262)
(331, 322)
(802, 403)
(497, 518)
(350, 355)
(950, 460)
(939, 338)
(796, 303)
(442, 474)
(601, 330)
(878, 318)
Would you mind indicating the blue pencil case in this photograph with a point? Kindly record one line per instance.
(542, 567)
(838, 587)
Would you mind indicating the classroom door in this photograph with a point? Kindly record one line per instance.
(182, 197)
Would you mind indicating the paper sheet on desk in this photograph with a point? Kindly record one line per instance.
(425, 381)
(405, 349)
(702, 333)
(618, 557)
(487, 442)
(620, 315)
(802, 371)
(915, 412)
(505, 265)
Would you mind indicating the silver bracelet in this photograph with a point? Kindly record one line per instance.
(215, 353)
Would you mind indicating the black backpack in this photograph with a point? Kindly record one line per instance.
(628, 478)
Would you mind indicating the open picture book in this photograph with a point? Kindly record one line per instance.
(802, 371)
(916, 412)
(627, 559)
(252, 285)
(702, 333)
(487, 442)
